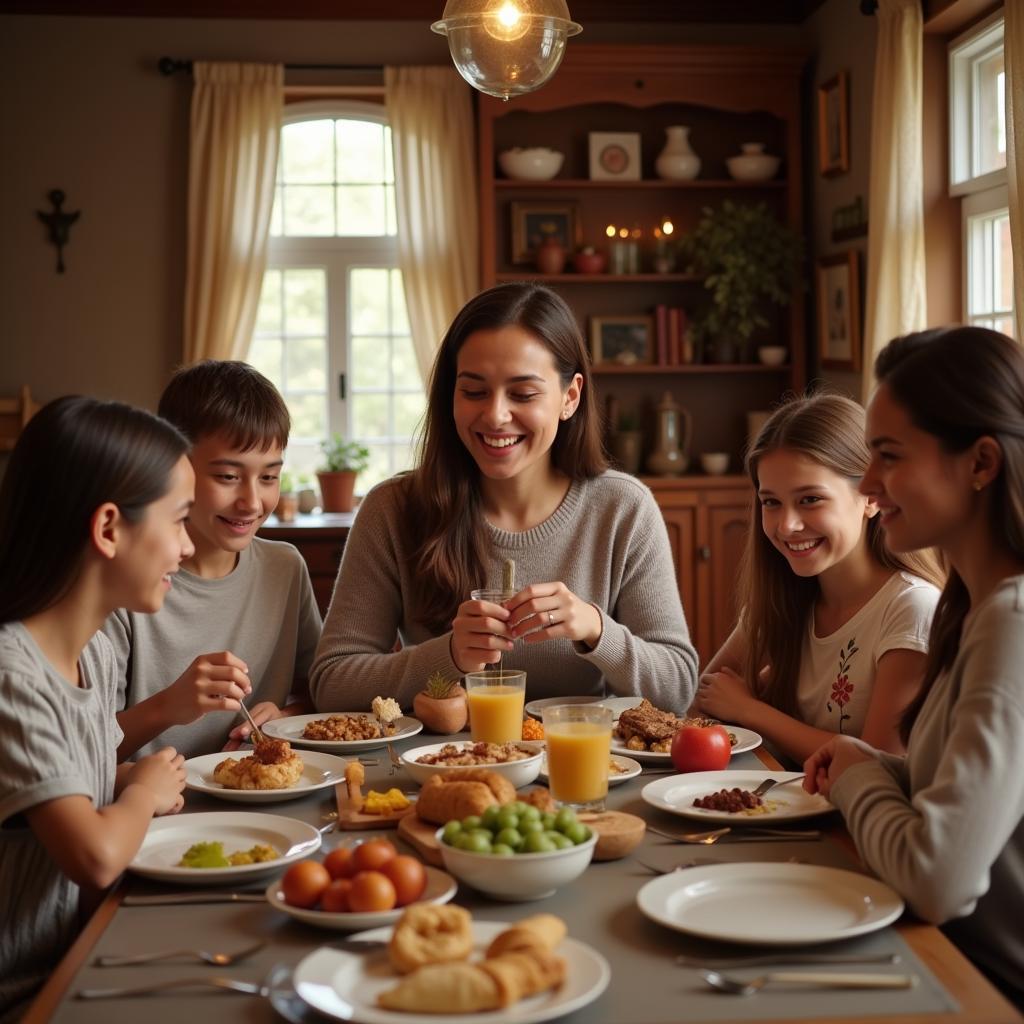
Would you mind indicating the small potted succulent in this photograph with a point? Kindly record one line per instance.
(288, 501)
(307, 493)
(342, 461)
(441, 705)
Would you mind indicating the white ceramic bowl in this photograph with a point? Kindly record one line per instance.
(753, 164)
(714, 463)
(519, 773)
(537, 164)
(521, 876)
(772, 355)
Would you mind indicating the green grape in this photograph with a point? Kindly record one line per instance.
(537, 842)
(475, 842)
(471, 822)
(547, 820)
(509, 837)
(490, 817)
(452, 830)
(577, 833)
(565, 817)
(561, 841)
(501, 850)
(530, 813)
(507, 819)
(529, 827)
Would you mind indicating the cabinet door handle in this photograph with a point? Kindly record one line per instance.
(704, 553)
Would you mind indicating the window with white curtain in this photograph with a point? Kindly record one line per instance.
(977, 105)
(331, 330)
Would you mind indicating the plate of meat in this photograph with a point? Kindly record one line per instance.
(645, 732)
(341, 733)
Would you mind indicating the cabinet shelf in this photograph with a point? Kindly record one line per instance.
(598, 278)
(603, 369)
(654, 183)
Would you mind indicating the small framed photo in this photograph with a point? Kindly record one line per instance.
(535, 222)
(833, 126)
(839, 311)
(614, 156)
(621, 340)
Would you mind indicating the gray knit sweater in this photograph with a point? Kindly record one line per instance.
(606, 541)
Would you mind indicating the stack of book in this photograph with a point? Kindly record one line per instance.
(673, 337)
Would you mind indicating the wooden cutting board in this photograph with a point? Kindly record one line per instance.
(349, 819)
(419, 834)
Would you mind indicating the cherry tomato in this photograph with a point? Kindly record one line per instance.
(371, 891)
(701, 749)
(335, 897)
(408, 876)
(339, 862)
(303, 884)
(373, 854)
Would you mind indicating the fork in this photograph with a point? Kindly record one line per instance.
(217, 959)
(231, 984)
(749, 835)
(396, 761)
(772, 783)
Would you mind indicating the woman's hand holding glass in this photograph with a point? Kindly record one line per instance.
(479, 635)
(551, 611)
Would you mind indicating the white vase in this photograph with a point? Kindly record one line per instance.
(677, 161)
(754, 164)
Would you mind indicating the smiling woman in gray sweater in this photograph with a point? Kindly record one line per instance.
(945, 825)
(511, 467)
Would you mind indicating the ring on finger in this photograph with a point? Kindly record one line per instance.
(551, 619)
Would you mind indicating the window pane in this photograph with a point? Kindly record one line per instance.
(369, 300)
(301, 460)
(1003, 262)
(305, 298)
(268, 313)
(308, 209)
(369, 362)
(277, 214)
(408, 413)
(405, 371)
(307, 364)
(379, 468)
(360, 151)
(389, 163)
(361, 210)
(307, 151)
(265, 356)
(309, 416)
(370, 415)
(1005, 324)
(990, 113)
(402, 457)
(399, 316)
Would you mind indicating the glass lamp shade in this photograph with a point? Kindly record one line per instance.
(506, 47)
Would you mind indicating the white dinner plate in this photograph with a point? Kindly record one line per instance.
(632, 769)
(168, 838)
(746, 739)
(620, 704)
(535, 707)
(676, 794)
(345, 985)
(770, 904)
(290, 729)
(319, 770)
(441, 887)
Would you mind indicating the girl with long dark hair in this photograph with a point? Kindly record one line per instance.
(510, 467)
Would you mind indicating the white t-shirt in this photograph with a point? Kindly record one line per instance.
(837, 672)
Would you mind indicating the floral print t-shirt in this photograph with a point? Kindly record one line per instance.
(837, 672)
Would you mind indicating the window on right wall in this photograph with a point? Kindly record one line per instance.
(977, 173)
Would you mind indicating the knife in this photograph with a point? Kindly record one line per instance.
(161, 898)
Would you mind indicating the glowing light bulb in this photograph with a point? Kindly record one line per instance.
(610, 231)
(507, 23)
(623, 232)
(667, 226)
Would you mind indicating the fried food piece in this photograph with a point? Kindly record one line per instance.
(476, 754)
(519, 975)
(336, 728)
(458, 794)
(541, 798)
(430, 933)
(282, 772)
(385, 803)
(272, 751)
(538, 932)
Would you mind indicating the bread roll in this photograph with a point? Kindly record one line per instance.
(539, 932)
(457, 794)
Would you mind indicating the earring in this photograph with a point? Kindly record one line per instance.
(977, 485)
(565, 414)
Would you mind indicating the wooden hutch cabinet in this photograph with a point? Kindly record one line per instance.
(727, 96)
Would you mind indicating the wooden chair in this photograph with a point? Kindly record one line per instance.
(14, 414)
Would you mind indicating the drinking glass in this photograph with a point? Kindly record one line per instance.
(579, 740)
(493, 595)
(496, 701)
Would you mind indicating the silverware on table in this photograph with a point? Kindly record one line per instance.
(358, 945)
(785, 957)
(256, 736)
(159, 899)
(203, 955)
(772, 783)
(396, 761)
(746, 834)
(748, 986)
(215, 981)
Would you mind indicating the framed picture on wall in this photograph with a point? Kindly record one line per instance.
(839, 311)
(833, 125)
(536, 222)
(622, 340)
(614, 156)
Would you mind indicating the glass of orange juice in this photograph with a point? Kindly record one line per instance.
(496, 701)
(579, 740)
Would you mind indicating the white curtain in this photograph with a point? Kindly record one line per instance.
(235, 133)
(431, 117)
(896, 298)
(1013, 56)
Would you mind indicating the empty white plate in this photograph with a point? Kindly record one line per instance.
(535, 707)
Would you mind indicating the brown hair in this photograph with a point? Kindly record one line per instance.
(829, 429)
(446, 534)
(960, 384)
(226, 397)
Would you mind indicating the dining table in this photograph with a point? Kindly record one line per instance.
(647, 986)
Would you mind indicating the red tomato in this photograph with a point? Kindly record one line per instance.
(408, 876)
(339, 862)
(371, 891)
(335, 897)
(373, 854)
(701, 748)
(303, 883)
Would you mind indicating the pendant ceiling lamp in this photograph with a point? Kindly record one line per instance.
(506, 47)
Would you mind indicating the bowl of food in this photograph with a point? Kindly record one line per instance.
(535, 164)
(714, 463)
(518, 762)
(772, 355)
(516, 852)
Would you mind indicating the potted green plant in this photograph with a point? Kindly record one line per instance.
(342, 461)
(441, 705)
(749, 259)
(288, 501)
(306, 492)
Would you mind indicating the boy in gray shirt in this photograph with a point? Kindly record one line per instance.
(246, 600)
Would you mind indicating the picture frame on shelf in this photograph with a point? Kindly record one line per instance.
(834, 125)
(534, 222)
(622, 340)
(614, 156)
(838, 296)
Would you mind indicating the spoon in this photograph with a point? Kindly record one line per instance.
(217, 959)
(739, 987)
(256, 736)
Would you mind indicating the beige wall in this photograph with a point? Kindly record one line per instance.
(83, 109)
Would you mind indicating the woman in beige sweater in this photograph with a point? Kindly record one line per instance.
(944, 826)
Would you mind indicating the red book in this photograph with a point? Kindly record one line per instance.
(674, 351)
(661, 334)
(684, 344)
